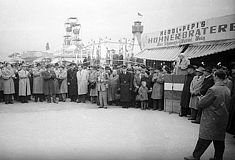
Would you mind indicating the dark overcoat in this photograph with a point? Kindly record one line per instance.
(72, 82)
(215, 106)
(185, 95)
(206, 84)
(231, 124)
(125, 83)
(49, 82)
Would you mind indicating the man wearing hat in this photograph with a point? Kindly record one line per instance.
(231, 124)
(62, 83)
(38, 83)
(214, 120)
(195, 87)
(125, 83)
(72, 82)
(24, 84)
(8, 84)
(181, 65)
(207, 83)
(1, 83)
(49, 84)
(185, 96)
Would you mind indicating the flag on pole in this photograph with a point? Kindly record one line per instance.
(139, 14)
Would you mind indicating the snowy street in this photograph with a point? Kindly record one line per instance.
(69, 131)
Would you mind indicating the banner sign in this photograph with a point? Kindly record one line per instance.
(220, 28)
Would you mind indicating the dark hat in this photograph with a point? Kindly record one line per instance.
(208, 69)
(200, 69)
(48, 66)
(56, 64)
(38, 64)
(191, 66)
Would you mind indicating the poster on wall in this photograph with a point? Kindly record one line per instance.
(221, 28)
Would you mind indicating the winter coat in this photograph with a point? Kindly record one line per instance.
(8, 83)
(62, 81)
(49, 82)
(102, 83)
(181, 66)
(38, 81)
(1, 81)
(195, 87)
(231, 124)
(57, 87)
(112, 87)
(24, 84)
(137, 80)
(186, 95)
(125, 82)
(214, 119)
(93, 79)
(82, 82)
(207, 83)
(143, 93)
(158, 86)
(72, 82)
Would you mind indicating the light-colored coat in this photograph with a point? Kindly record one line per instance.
(195, 87)
(24, 84)
(214, 119)
(158, 86)
(93, 76)
(38, 81)
(181, 66)
(8, 83)
(62, 75)
(102, 83)
(112, 87)
(82, 81)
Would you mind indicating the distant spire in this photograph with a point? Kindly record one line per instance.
(47, 46)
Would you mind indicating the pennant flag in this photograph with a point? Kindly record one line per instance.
(140, 14)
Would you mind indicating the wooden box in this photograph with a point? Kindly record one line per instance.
(171, 105)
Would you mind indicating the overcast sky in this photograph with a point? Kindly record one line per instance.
(29, 24)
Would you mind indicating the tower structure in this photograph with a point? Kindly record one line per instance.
(137, 30)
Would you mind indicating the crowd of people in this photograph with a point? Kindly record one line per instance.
(127, 86)
(131, 86)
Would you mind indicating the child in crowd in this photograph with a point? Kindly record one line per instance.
(143, 95)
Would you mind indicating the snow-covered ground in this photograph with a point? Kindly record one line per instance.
(69, 131)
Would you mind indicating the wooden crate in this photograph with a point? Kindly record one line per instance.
(172, 105)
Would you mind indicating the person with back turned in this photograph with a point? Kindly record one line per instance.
(214, 119)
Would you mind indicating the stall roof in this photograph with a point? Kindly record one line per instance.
(161, 54)
(209, 48)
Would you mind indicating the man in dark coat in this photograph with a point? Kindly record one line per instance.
(72, 82)
(206, 84)
(185, 96)
(214, 120)
(125, 83)
(49, 89)
(231, 124)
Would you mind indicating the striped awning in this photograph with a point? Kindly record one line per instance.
(208, 48)
(161, 54)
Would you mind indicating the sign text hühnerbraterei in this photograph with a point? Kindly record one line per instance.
(220, 28)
